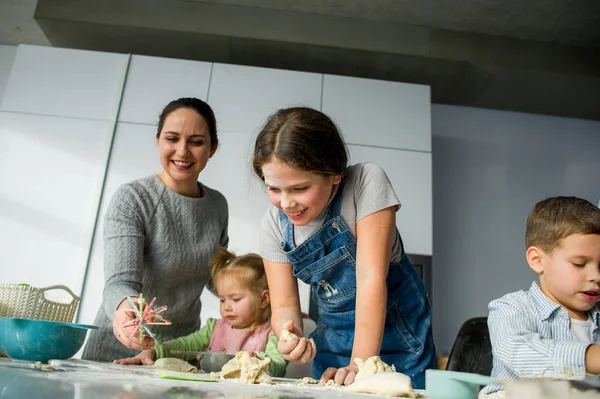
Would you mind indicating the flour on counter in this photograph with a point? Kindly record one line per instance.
(540, 389)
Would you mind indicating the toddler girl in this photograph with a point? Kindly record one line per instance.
(241, 284)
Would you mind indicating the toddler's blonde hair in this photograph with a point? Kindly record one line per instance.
(248, 269)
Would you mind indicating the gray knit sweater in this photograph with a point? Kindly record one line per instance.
(159, 243)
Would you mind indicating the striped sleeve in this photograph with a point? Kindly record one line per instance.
(522, 352)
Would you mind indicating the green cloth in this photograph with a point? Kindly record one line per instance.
(199, 340)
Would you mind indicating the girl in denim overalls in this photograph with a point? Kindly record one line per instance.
(333, 227)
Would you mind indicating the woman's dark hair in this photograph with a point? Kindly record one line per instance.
(303, 138)
(202, 108)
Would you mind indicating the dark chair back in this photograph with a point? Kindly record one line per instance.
(472, 350)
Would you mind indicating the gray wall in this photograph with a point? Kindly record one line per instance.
(489, 169)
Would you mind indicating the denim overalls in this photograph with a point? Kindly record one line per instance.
(327, 261)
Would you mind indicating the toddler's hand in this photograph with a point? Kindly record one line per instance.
(122, 316)
(293, 346)
(144, 357)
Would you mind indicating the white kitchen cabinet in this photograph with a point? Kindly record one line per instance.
(65, 82)
(379, 113)
(410, 175)
(134, 155)
(152, 82)
(51, 173)
(243, 97)
(7, 56)
(230, 171)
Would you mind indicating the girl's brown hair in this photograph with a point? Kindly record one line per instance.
(247, 269)
(303, 138)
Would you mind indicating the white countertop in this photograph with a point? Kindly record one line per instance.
(25, 380)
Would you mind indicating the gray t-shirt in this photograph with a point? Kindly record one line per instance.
(159, 243)
(367, 190)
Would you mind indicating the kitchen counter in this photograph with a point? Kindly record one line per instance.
(26, 380)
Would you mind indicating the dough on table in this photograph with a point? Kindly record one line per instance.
(174, 364)
(384, 384)
(308, 380)
(372, 365)
(250, 370)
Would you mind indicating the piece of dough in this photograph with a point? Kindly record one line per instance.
(174, 364)
(384, 384)
(372, 365)
(286, 335)
(250, 370)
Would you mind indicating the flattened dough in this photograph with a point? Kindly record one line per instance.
(174, 364)
(372, 365)
(250, 370)
(384, 384)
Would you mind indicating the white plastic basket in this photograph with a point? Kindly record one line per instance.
(26, 302)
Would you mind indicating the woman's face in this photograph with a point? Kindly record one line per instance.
(184, 148)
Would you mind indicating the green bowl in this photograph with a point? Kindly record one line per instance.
(40, 340)
(214, 361)
(442, 384)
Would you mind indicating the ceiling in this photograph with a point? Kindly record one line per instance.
(569, 22)
(540, 56)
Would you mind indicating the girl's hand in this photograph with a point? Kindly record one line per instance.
(144, 357)
(123, 333)
(293, 346)
(341, 376)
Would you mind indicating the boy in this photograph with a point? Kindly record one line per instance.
(552, 330)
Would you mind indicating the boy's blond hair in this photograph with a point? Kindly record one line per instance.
(247, 269)
(556, 218)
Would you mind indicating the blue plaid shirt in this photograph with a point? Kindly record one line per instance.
(531, 338)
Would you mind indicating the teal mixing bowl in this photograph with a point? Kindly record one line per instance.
(40, 340)
(442, 384)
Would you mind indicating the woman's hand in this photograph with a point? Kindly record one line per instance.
(144, 357)
(341, 376)
(121, 317)
(293, 346)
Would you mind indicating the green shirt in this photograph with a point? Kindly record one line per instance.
(199, 341)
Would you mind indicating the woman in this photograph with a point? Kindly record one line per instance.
(160, 233)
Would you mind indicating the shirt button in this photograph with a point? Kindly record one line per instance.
(335, 225)
(568, 372)
(561, 313)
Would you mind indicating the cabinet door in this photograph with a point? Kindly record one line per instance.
(230, 172)
(65, 82)
(243, 97)
(134, 155)
(153, 82)
(379, 113)
(51, 173)
(410, 175)
(7, 56)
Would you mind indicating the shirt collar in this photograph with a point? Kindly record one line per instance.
(547, 307)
